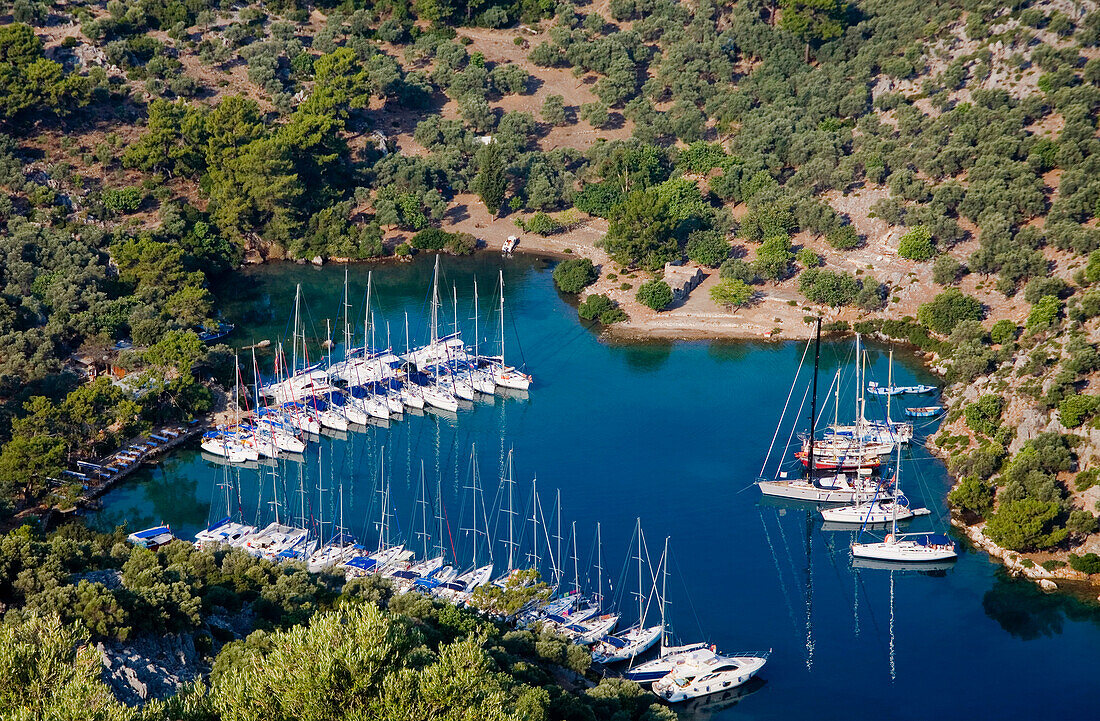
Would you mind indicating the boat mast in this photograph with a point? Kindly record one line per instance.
(890, 387)
(813, 400)
(294, 335)
(475, 321)
(557, 557)
(599, 565)
(473, 467)
(236, 390)
(664, 587)
(641, 609)
(511, 512)
(435, 302)
(423, 508)
(859, 383)
(501, 318)
(535, 519)
(576, 571)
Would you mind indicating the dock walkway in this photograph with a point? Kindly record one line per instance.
(99, 477)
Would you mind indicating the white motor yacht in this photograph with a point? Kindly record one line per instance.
(705, 671)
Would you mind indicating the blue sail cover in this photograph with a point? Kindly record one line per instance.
(363, 563)
(934, 539)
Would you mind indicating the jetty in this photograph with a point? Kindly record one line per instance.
(99, 477)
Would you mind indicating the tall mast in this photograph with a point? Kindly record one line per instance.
(439, 505)
(435, 302)
(294, 335)
(423, 509)
(473, 467)
(320, 501)
(236, 390)
(664, 586)
(535, 519)
(454, 291)
(347, 317)
(576, 570)
(502, 318)
(366, 315)
(511, 512)
(890, 387)
(836, 400)
(406, 332)
(475, 317)
(859, 380)
(813, 401)
(557, 556)
(599, 564)
(641, 610)
(382, 478)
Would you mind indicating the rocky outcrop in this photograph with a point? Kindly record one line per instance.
(151, 666)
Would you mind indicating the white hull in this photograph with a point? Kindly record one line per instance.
(903, 550)
(438, 398)
(869, 513)
(704, 672)
(637, 641)
(800, 490)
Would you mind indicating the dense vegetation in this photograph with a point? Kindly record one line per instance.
(313, 646)
(149, 148)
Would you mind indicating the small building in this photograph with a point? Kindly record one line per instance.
(682, 279)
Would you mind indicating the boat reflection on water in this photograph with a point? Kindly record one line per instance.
(514, 393)
(936, 568)
(705, 707)
(837, 527)
(250, 465)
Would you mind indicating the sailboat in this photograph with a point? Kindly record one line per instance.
(905, 547)
(691, 670)
(836, 488)
(225, 530)
(639, 638)
(876, 512)
(505, 375)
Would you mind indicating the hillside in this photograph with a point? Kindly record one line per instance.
(923, 171)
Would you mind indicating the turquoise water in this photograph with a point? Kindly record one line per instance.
(673, 433)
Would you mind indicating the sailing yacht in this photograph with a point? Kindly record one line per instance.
(837, 488)
(905, 547)
(504, 375)
(637, 639)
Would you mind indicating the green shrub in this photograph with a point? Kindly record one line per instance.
(707, 247)
(1088, 563)
(1087, 479)
(430, 239)
(984, 414)
(917, 244)
(1076, 409)
(1053, 564)
(1044, 314)
(1026, 525)
(118, 201)
(946, 270)
(572, 275)
(732, 293)
(807, 258)
(828, 287)
(948, 309)
(1003, 331)
(542, 224)
(972, 495)
(737, 269)
(654, 294)
(600, 307)
(844, 237)
(774, 257)
(1081, 523)
(1092, 268)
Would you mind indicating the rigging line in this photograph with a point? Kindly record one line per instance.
(687, 595)
(784, 413)
(794, 429)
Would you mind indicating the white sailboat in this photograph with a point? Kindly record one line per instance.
(639, 638)
(504, 375)
(926, 547)
(839, 488)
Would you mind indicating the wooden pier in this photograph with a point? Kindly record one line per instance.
(98, 478)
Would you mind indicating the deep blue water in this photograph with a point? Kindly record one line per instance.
(673, 433)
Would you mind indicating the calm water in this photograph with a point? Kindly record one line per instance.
(674, 434)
